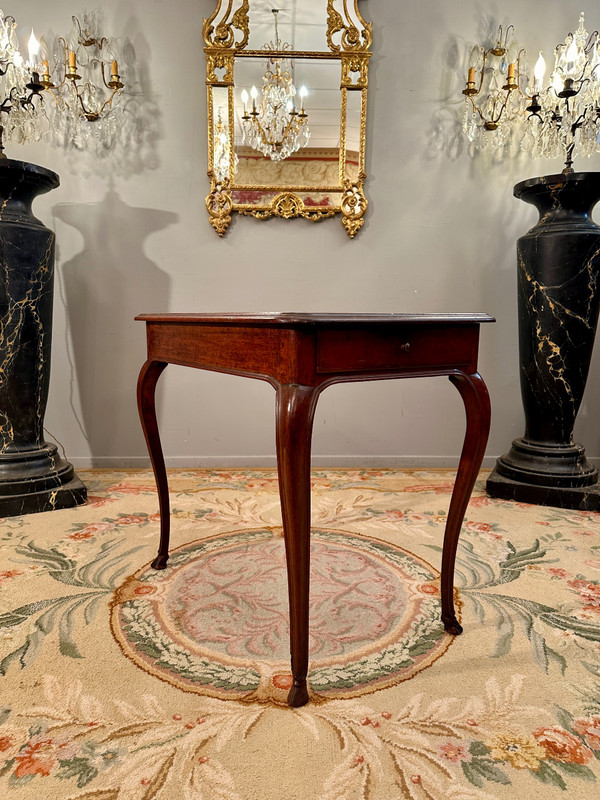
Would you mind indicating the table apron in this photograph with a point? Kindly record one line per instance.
(316, 357)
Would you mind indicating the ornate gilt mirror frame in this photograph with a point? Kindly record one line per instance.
(348, 38)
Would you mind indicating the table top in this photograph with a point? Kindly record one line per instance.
(301, 319)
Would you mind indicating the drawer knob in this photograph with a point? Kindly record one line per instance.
(405, 347)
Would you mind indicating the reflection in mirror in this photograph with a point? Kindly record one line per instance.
(353, 137)
(287, 91)
(302, 24)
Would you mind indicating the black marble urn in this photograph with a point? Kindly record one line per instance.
(559, 296)
(33, 476)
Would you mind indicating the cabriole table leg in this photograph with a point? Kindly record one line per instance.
(477, 407)
(149, 375)
(294, 418)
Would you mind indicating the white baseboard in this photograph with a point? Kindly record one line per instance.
(257, 462)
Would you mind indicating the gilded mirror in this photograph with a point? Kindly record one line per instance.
(287, 104)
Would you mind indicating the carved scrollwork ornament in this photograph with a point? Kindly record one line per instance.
(355, 64)
(219, 59)
(288, 206)
(316, 179)
(219, 203)
(354, 205)
(222, 35)
(352, 39)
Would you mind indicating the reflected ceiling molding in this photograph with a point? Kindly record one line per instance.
(348, 37)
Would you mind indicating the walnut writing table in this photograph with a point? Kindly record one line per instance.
(300, 355)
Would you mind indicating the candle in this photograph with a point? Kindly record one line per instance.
(34, 49)
(254, 95)
(72, 60)
(303, 93)
(538, 73)
(511, 71)
(45, 67)
(471, 78)
(114, 69)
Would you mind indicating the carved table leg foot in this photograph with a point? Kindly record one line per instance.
(149, 375)
(298, 694)
(452, 625)
(295, 413)
(477, 407)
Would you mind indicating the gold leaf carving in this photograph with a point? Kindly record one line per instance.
(355, 64)
(222, 35)
(352, 38)
(335, 23)
(240, 21)
(288, 206)
(219, 204)
(219, 60)
(354, 205)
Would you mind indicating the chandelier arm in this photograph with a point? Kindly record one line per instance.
(502, 108)
(578, 122)
(95, 114)
(491, 120)
(588, 45)
(28, 101)
(65, 62)
(102, 65)
(53, 96)
(482, 71)
(521, 92)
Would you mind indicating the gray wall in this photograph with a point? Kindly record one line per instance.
(440, 236)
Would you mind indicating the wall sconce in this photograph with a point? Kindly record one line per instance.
(493, 92)
(83, 82)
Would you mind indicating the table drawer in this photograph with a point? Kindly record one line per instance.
(397, 348)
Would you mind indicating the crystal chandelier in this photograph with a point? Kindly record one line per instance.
(70, 90)
(563, 118)
(507, 108)
(276, 128)
(21, 116)
(494, 91)
(85, 85)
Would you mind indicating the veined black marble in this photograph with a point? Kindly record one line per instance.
(559, 300)
(33, 477)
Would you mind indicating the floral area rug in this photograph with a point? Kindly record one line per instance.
(119, 682)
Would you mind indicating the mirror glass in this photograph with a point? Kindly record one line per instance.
(316, 164)
(286, 132)
(301, 23)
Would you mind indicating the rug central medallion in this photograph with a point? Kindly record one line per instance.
(216, 621)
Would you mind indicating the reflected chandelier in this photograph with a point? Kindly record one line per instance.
(276, 128)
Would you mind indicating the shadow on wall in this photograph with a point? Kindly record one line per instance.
(105, 286)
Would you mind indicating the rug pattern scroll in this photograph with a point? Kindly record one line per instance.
(92, 709)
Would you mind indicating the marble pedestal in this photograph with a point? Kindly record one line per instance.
(33, 476)
(558, 271)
